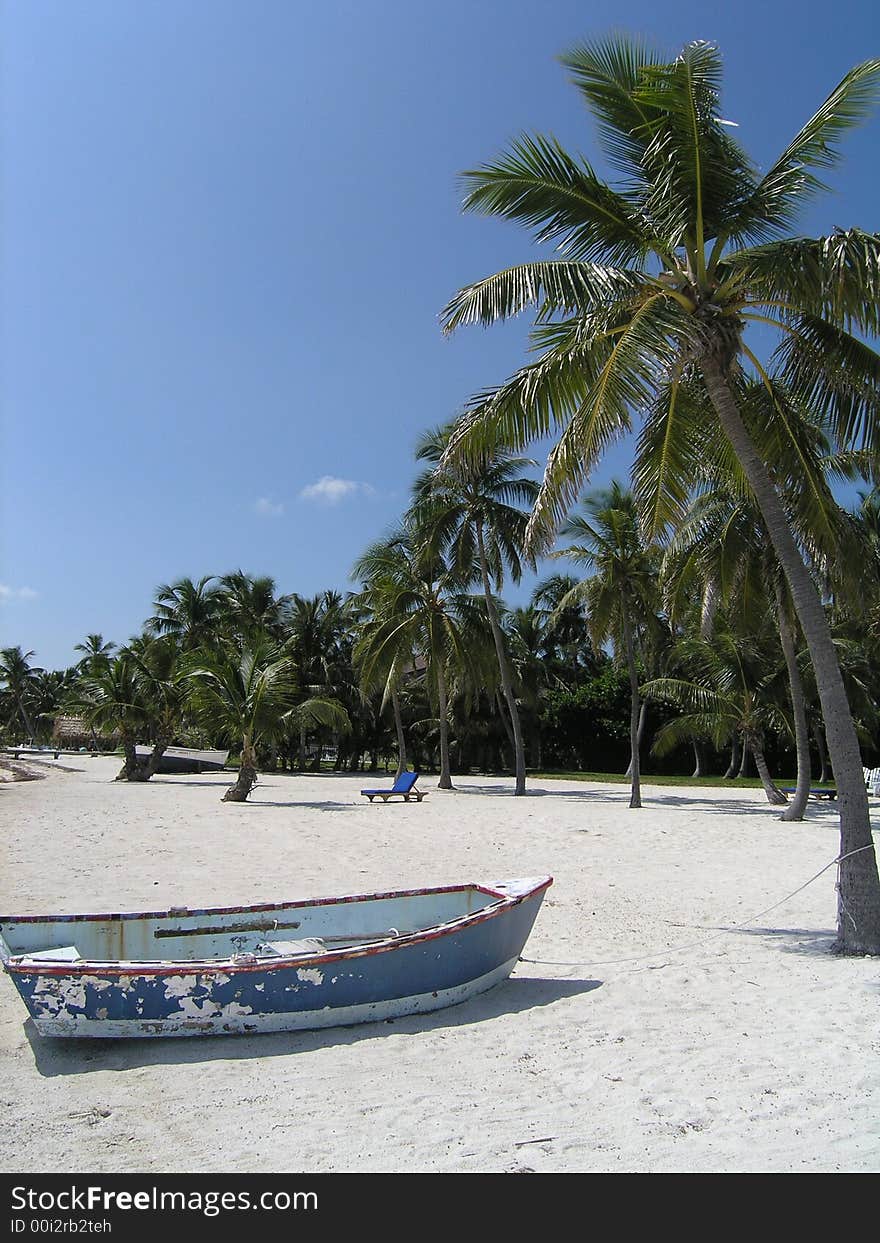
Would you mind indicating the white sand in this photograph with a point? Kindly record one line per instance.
(747, 1050)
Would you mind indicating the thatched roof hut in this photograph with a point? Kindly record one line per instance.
(75, 731)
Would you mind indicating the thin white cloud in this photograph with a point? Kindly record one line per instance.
(330, 491)
(267, 508)
(10, 594)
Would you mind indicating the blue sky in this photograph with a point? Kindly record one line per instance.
(228, 229)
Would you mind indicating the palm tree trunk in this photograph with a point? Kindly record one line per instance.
(401, 737)
(698, 759)
(24, 716)
(734, 757)
(519, 750)
(247, 774)
(640, 733)
(858, 904)
(771, 789)
(744, 762)
(499, 703)
(823, 753)
(445, 782)
(635, 798)
(133, 769)
(798, 708)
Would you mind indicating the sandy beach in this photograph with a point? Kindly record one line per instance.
(639, 1033)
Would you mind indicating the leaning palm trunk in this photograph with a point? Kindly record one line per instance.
(133, 769)
(635, 799)
(24, 716)
(771, 789)
(519, 750)
(247, 774)
(799, 712)
(858, 907)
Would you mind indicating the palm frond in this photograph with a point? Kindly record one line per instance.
(561, 199)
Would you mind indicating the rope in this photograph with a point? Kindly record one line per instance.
(678, 949)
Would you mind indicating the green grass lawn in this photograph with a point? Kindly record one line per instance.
(728, 783)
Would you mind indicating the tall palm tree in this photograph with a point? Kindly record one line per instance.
(569, 646)
(383, 665)
(531, 656)
(156, 662)
(621, 595)
(724, 541)
(248, 605)
(726, 694)
(95, 652)
(188, 611)
(20, 676)
(660, 277)
(472, 510)
(422, 611)
(316, 629)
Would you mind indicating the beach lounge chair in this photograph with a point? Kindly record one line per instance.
(404, 787)
(815, 791)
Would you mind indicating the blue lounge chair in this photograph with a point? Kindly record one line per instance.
(815, 791)
(404, 786)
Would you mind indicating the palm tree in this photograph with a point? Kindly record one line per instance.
(188, 611)
(316, 629)
(531, 656)
(421, 610)
(727, 694)
(112, 698)
(95, 652)
(569, 647)
(19, 675)
(472, 512)
(383, 666)
(724, 543)
(621, 595)
(156, 663)
(49, 692)
(249, 693)
(242, 694)
(660, 278)
(248, 605)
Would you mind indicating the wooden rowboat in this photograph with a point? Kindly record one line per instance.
(186, 759)
(279, 967)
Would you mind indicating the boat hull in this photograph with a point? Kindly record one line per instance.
(186, 760)
(409, 974)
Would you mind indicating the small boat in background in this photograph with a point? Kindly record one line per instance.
(186, 759)
(280, 967)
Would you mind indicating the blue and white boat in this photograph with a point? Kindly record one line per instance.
(290, 966)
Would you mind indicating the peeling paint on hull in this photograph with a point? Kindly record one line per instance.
(404, 973)
(253, 1024)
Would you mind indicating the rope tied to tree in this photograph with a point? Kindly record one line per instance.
(678, 949)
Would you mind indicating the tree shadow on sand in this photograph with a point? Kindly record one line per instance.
(619, 795)
(55, 1056)
(812, 942)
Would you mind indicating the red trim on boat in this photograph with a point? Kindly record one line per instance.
(229, 967)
